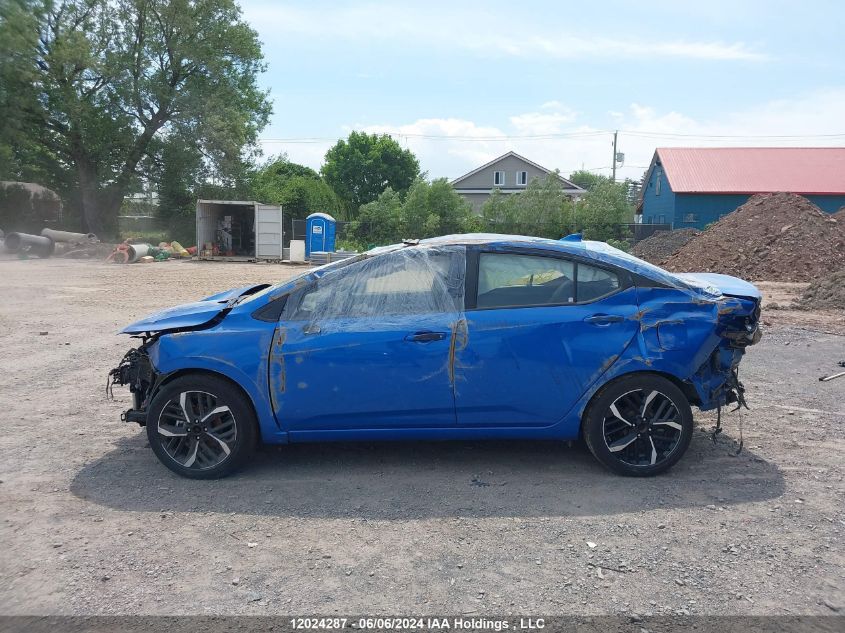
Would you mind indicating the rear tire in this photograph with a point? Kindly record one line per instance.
(638, 425)
(201, 427)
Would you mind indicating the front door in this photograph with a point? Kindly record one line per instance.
(543, 330)
(367, 346)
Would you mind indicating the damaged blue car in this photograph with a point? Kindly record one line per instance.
(458, 337)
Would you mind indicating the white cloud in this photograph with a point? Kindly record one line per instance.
(643, 130)
(552, 105)
(450, 147)
(490, 36)
(466, 143)
(543, 122)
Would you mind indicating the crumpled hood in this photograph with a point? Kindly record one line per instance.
(725, 284)
(190, 315)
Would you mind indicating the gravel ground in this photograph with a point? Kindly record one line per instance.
(93, 524)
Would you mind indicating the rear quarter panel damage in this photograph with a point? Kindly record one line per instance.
(693, 339)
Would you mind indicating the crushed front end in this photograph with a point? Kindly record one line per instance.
(136, 371)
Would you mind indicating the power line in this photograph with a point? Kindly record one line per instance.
(569, 135)
(444, 137)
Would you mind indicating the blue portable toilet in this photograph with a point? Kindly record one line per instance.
(319, 233)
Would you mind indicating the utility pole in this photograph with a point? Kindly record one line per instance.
(615, 133)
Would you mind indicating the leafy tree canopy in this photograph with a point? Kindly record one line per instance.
(429, 209)
(361, 167)
(598, 214)
(545, 210)
(587, 179)
(299, 189)
(94, 85)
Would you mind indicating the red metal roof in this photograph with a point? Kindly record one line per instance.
(807, 170)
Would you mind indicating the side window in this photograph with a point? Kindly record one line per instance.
(409, 281)
(509, 280)
(594, 283)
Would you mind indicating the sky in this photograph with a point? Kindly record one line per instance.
(460, 83)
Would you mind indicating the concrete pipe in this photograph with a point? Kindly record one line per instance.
(35, 244)
(67, 236)
(137, 251)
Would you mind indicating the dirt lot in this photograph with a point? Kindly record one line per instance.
(93, 524)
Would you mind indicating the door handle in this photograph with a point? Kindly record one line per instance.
(425, 337)
(604, 319)
(311, 328)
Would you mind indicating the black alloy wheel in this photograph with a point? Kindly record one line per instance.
(639, 425)
(201, 427)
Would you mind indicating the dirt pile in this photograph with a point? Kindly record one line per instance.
(827, 293)
(662, 244)
(776, 237)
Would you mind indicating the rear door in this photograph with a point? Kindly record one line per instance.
(367, 347)
(540, 329)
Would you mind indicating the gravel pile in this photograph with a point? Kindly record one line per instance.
(828, 293)
(662, 244)
(774, 237)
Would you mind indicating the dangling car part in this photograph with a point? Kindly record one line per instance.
(459, 337)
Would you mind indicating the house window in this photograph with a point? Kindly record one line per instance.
(498, 178)
(690, 218)
(657, 183)
(522, 178)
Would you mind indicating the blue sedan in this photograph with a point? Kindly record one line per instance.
(458, 337)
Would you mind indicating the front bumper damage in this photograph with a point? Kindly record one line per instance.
(136, 371)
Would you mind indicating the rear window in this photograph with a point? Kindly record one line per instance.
(512, 280)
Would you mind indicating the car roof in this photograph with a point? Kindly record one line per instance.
(571, 245)
(600, 252)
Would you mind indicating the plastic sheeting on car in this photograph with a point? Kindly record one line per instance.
(393, 287)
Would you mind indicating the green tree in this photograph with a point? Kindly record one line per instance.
(92, 83)
(586, 179)
(179, 165)
(435, 208)
(598, 214)
(299, 189)
(544, 209)
(279, 169)
(361, 167)
(379, 222)
(428, 210)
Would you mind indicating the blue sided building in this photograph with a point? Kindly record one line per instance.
(690, 187)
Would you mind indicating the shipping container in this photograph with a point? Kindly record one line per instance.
(239, 230)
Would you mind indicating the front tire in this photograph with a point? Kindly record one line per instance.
(201, 427)
(638, 425)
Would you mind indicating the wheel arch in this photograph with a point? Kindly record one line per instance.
(686, 388)
(188, 371)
